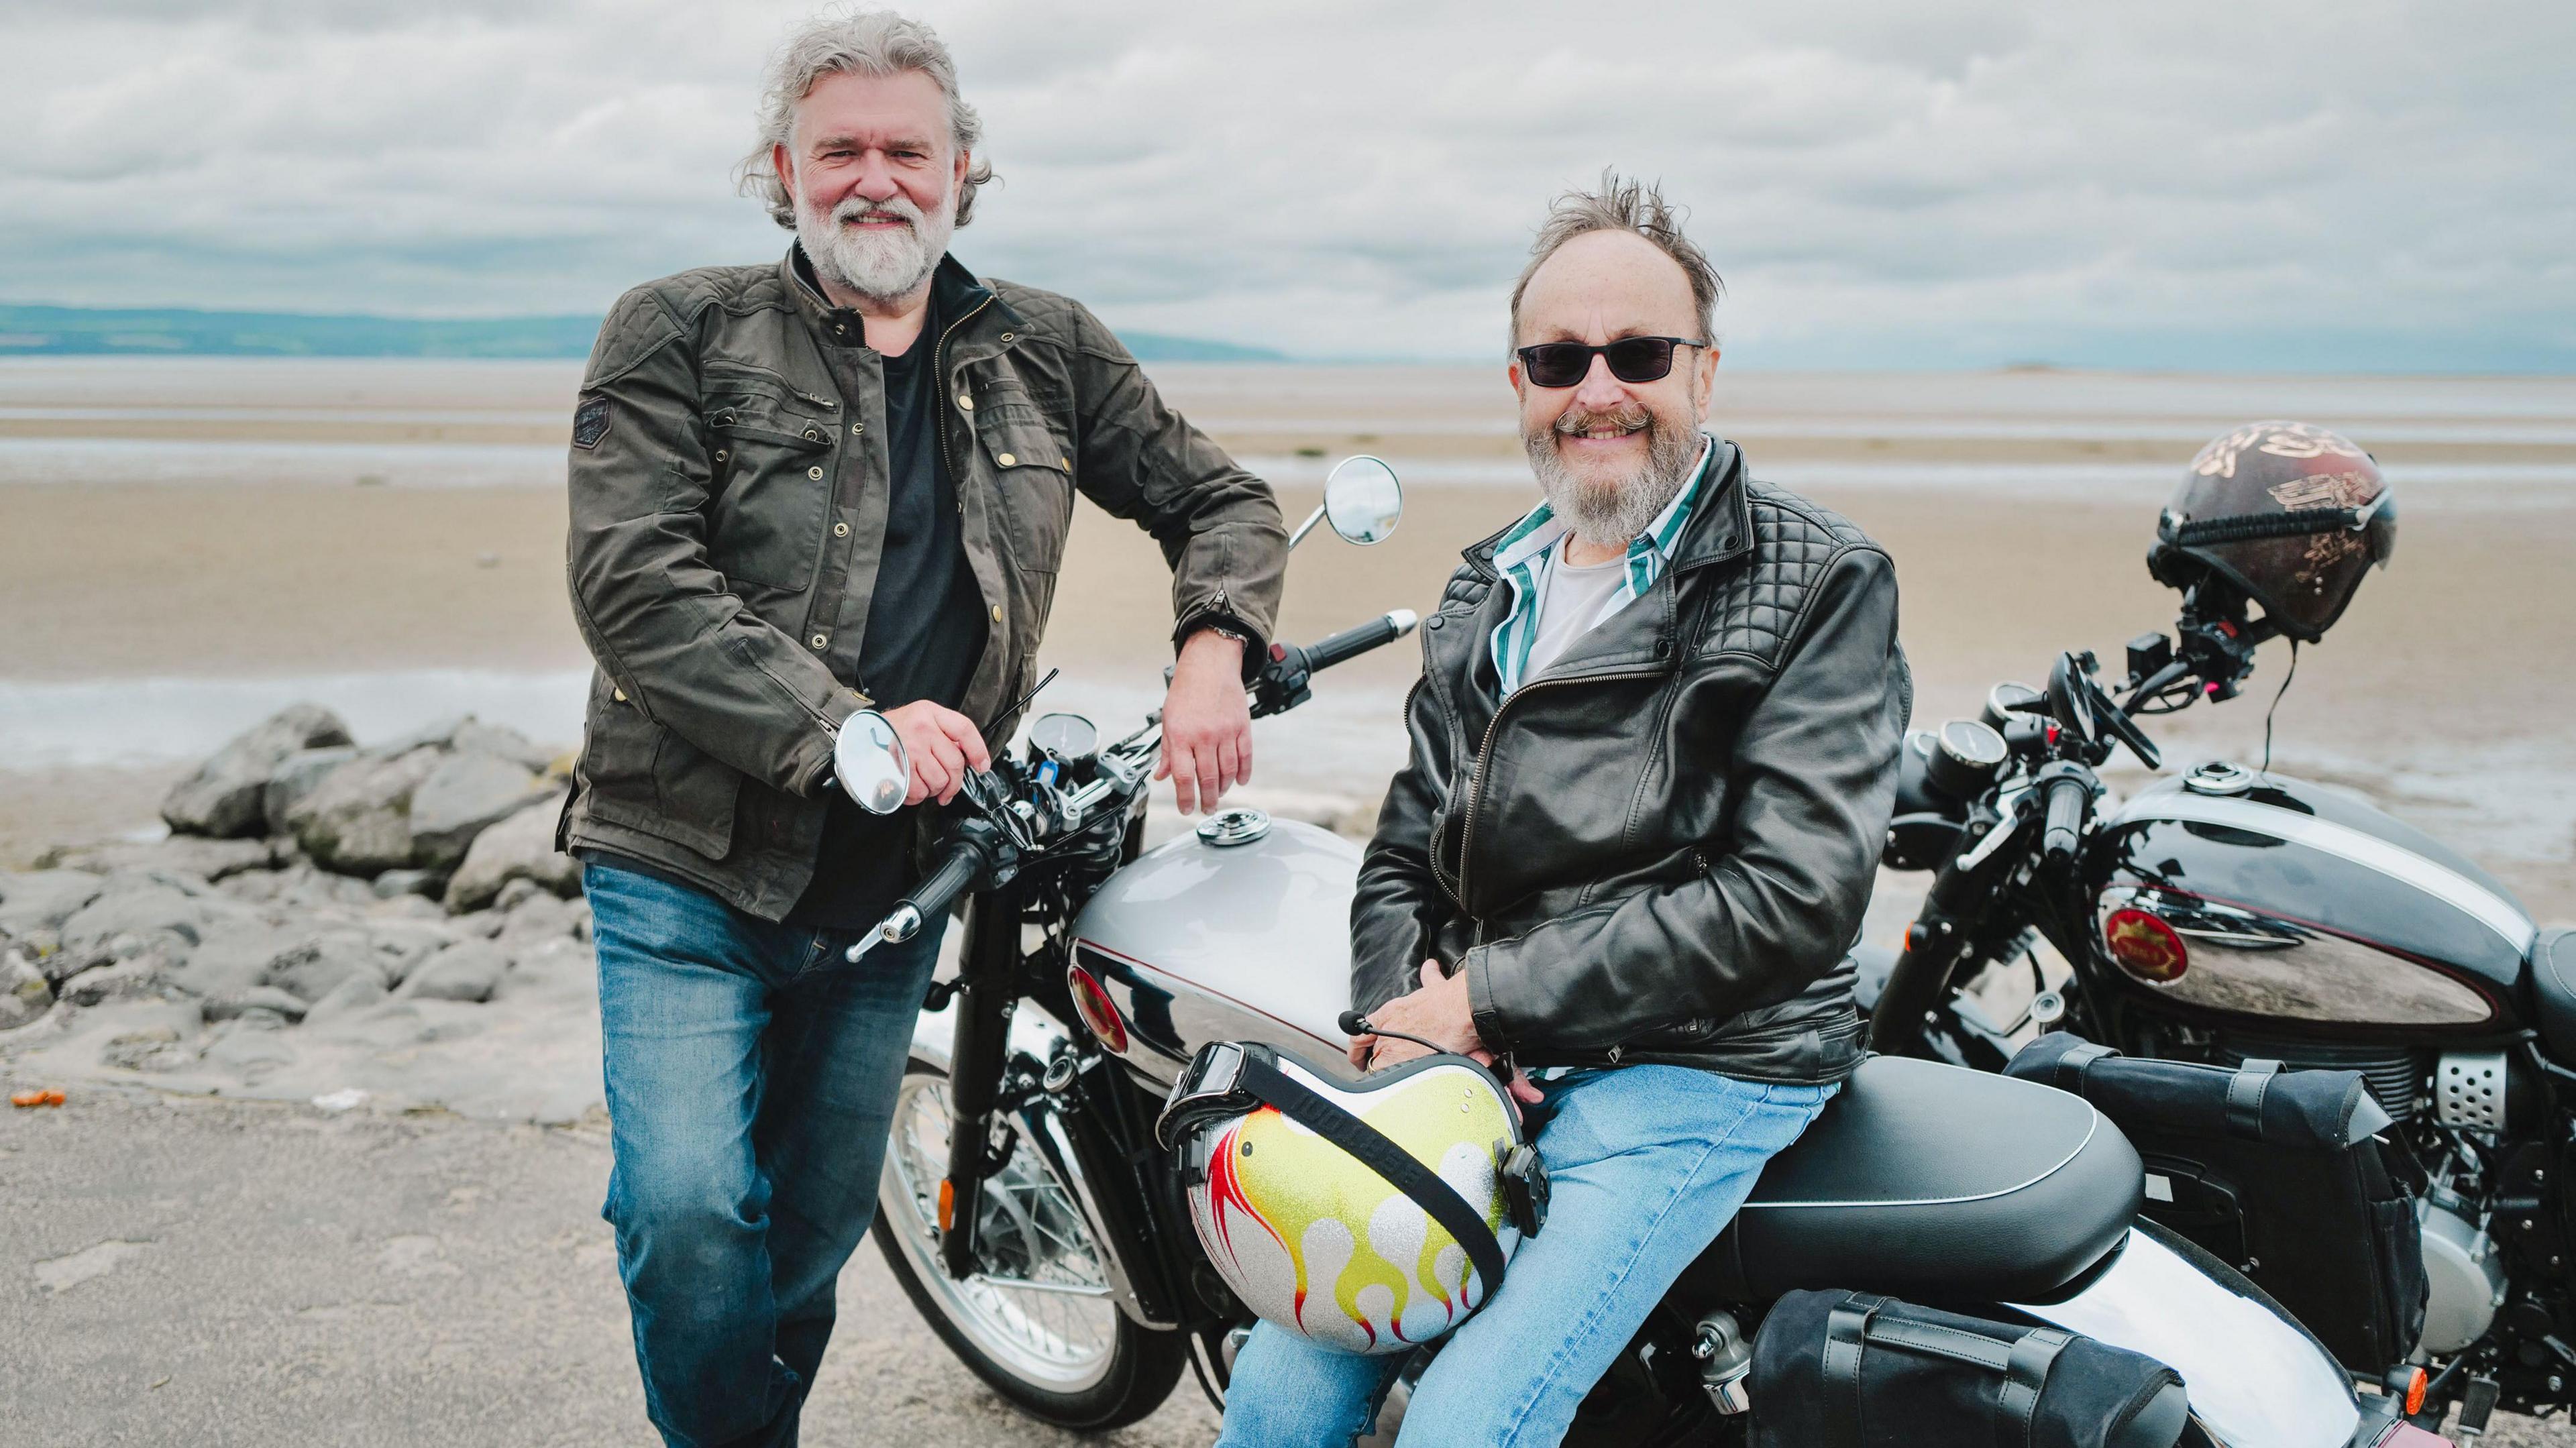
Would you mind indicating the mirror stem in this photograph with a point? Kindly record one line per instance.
(1306, 527)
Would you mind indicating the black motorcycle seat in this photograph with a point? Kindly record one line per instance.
(2553, 987)
(1934, 1182)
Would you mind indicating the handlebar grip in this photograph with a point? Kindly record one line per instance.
(2068, 799)
(957, 870)
(1352, 642)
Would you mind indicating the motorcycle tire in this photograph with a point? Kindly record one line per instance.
(1065, 1355)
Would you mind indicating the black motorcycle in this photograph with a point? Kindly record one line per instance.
(2232, 915)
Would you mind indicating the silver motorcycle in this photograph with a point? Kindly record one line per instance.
(1026, 1210)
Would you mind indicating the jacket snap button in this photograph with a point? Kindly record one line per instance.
(815, 473)
(813, 436)
(721, 454)
(1435, 621)
(997, 613)
(840, 530)
(818, 640)
(965, 402)
(1007, 460)
(857, 427)
(1066, 464)
(621, 695)
(1010, 336)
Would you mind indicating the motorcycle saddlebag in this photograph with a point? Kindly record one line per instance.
(1850, 1370)
(2274, 1172)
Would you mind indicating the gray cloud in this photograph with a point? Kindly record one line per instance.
(2201, 183)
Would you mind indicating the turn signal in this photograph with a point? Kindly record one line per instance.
(947, 1203)
(2416, 1382)
(1096, 1009)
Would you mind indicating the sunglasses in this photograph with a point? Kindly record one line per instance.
(1632, 359)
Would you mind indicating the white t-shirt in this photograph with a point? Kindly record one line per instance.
(1571, 600)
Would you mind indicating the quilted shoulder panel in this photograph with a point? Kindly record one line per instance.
(1465, 591)
(1762, 596)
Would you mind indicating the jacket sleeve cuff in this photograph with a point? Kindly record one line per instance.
(1482, 1005)
(814, 752)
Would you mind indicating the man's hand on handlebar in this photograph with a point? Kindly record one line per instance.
(942, 744)
(1207, 722)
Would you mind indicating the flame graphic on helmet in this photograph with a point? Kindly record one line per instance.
(1291, 1221)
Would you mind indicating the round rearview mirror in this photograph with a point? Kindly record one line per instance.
(1362, 499)
(1065, 738)
(869, 763)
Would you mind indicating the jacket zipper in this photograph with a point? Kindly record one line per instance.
(1476, 788)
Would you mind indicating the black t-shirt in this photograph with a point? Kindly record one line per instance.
(925, 634)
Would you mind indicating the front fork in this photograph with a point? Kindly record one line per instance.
(987, 989)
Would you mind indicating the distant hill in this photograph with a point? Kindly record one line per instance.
(178, 332)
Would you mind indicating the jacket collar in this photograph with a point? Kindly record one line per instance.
(956, 293)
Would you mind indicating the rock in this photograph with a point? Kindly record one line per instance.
(393, 883)
(124, 980)
(311, 970)
(154, 1048)
(224, 796)
(142, 907)
(44, 899)
(467, 793)
(541, 917)
(469, 971)
(502, 742)
(189, 855)
(518, 849)
(437, 734)
(296, 776)
(516, 894)
(285, 1004)
(230, 962)
(358, 819)
(25, 994)
(354, 994)
(401, 945)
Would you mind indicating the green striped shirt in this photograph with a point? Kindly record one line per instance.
(1529, 550)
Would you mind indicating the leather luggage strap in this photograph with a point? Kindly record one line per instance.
(2245, 1098)
(1302, 1105)
(1851, 1327)
(1846, 1331)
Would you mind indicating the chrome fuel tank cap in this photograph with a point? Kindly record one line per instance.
(2219, 777)
(1240, 825)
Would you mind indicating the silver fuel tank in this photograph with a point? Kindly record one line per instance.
(1238, 931)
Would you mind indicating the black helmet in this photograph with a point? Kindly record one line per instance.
(2290, 513)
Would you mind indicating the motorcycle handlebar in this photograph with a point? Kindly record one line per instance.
(2067, 798)
(957, 870)
(1352, 642)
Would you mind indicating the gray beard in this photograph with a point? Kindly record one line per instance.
(886, 267)
(1609, 516)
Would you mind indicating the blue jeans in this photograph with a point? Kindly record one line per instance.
(751, 1078)
(1647, 1164)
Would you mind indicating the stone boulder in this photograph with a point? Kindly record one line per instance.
(231, 962)
(500, 741)
(468, 792)
(314, 968)
(25, 994)
(137, 906)
(357, 821)
(197, 855)
(469, 971)
(44, 899)
(295, 777)
(224, 796)
(521, 847)
(356, 993)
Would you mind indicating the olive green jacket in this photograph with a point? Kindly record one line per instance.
(729, 510)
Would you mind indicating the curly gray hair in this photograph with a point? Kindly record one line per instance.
(1623, 204)
(862, 42)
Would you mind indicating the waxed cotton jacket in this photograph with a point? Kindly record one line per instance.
(1658, 848)
(729, 511)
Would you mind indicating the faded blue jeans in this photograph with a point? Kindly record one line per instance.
(1647, 1164)
(751, 1078)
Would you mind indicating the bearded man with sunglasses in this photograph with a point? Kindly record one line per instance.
(1654, 757)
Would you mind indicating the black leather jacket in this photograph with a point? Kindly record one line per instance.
(1658, 849)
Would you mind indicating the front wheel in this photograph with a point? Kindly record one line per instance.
(1036, 1320)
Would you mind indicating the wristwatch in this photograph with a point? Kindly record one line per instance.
(1223, 631)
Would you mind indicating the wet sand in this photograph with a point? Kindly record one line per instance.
(2018, 509)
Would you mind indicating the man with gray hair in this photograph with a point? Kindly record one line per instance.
(841, 482)
(1684, 697)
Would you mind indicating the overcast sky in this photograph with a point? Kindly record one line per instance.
(2249, 184)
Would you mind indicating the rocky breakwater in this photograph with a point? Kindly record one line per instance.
(387, 924)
